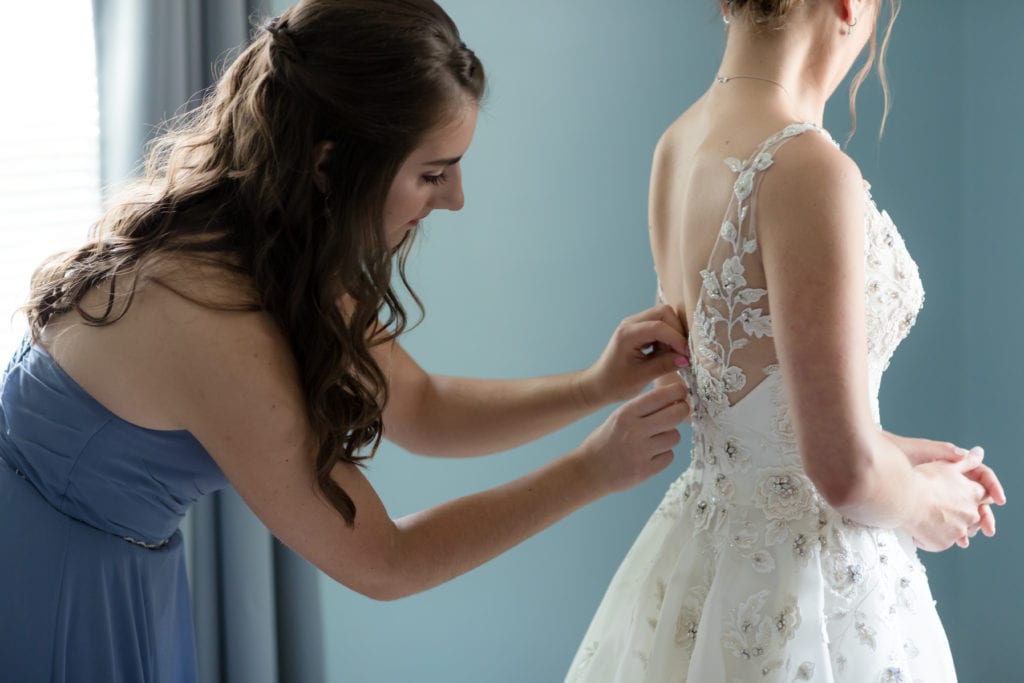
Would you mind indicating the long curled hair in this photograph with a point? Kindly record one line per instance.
(770, 14)
(234, 183)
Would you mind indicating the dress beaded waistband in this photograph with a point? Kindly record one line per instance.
(143, 544)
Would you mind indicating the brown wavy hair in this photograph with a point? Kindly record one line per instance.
(232, 183)
(772, 14)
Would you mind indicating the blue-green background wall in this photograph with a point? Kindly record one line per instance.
(990, 328)
(551, 251)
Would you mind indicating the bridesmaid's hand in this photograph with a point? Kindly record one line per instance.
(635, 442)
(644, 347)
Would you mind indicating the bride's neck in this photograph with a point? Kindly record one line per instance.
(794, 59)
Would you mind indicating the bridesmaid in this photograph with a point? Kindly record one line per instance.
(232, 322)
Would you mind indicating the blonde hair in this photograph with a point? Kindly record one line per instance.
(772, 14)
(769, 13)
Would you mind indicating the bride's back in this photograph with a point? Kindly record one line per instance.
(705, 187)
(691, 187)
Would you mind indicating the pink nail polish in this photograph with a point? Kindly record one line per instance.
(682, 361)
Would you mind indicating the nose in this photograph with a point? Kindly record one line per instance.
(453, 199)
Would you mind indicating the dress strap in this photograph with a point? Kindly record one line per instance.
(774, 141)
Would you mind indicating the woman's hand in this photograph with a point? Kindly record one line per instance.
(636, 440)
(921, 451)
(644, 347)
(951, 506)
(985, 476)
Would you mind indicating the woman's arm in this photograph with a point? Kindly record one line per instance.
(236, 389)
(456, 416)
(811, 229)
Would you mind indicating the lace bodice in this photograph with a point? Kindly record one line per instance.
(731, 337)
(739, 402)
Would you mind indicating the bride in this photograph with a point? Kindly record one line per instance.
(786, 552)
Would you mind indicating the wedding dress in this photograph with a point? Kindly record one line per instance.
(744, 572)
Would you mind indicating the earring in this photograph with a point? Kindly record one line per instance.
(850, 27)
(725, 14)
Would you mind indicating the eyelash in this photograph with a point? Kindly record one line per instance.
(436, 179)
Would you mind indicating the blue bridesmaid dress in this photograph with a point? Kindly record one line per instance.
(93, 586)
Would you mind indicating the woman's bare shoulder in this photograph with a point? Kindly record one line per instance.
(212, 317)
(677, 135)
(215, 281)
(811, 178)
(202, 312)
(813, 157)
(810, 215)
(173, 331)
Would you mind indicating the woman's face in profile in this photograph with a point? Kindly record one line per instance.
(431, 177)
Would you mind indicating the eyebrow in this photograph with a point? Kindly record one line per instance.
(444, 162)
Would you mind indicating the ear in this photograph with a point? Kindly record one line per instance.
(321, 158)
(849, 10)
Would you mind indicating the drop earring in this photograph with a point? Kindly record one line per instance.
(850, 27)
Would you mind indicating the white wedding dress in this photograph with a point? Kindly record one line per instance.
(744, 573)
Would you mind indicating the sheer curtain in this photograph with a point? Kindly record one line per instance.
(49, 148)
(256, 603)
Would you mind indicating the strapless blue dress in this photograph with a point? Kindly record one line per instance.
(93, 585)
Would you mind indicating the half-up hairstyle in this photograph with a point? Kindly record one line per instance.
(233, 183)
(767, 13)
(772, 14)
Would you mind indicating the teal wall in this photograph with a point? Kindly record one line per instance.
(949, 171)
(551, 251)
(531, 278)
(990, 328)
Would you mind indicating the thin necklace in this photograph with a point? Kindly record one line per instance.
(725, 79)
